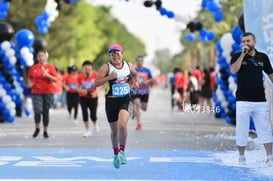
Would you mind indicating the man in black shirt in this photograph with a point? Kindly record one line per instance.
(250, 96)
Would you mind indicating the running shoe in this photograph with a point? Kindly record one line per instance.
(116, 161)
(87, 133)
(138, 127)
(122, 157)
(46, 135)
(96, 128)
(36, 132)
(269, 162)
(76, 121)
(242, 160)
(252, 133)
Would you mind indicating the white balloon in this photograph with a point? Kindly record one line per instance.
(51, 6)
(53, 16)
(10, 52)
(2, 92)
(12, 112)
(29, 103)
(11, 105)
(24, 51)
(51, 3)
(233, 88)
(226, 41)
(5, 45)
(230, 80)
(6, 99)
(12, 60)
(30, 62)
(224, 103)
(226, 55)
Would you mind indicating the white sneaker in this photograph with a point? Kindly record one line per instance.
(96, 128)
(87, 133)
(269, 162)
(242, 160)
(76, 121)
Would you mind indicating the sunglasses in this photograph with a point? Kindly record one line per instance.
(115, 52)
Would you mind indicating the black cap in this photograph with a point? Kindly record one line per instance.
(74, 68)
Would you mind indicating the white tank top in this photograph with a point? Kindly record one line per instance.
(119, 87)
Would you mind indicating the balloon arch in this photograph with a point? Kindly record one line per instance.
(16, 57)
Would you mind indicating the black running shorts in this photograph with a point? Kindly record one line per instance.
(114, 104)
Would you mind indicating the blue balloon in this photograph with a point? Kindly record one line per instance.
(219, 47)
(213, 6)
(218, 16)
(2, 53)
(190, 37)
(7, 86)
(203, 38)
(9, 119)
(217, 104)
(3, 14)
(233, 106)
(170, 14)
(231, 99)
(5, 112)
(236, 47)
(203, 32)
(228, 120)
(4, 6)
(2, 105)
(210, 35)
(2, 80)
(42, 30)
(24, 37)
(73, 1)
(162, 11)
(39, 20)
(204, 3)
(223, 112)
(45, 15)
(237, 34)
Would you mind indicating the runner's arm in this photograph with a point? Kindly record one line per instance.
(135, 76)
(102, 76)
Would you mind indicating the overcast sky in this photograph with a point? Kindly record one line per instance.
(156, 31)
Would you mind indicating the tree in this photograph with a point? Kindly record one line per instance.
(191, 50)
(80, 32)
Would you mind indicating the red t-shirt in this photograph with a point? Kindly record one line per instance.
(179, 80)
(87, 83)
(42, 84)
(212, 80)
(59, 84)
(199, 76)
(72, 82)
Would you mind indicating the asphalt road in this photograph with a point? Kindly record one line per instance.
(171, 146)
(163, 128)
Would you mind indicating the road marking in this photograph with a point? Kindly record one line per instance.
(50, 161)
(182, 159)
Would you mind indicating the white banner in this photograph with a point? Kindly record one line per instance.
(258, 18)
